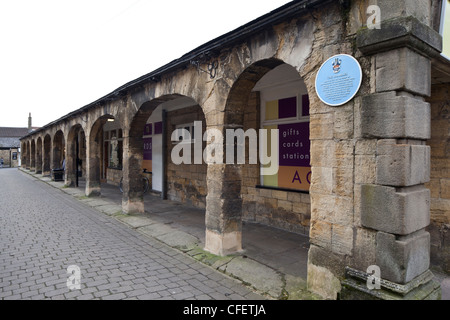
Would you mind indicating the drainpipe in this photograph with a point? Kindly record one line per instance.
(164, 155)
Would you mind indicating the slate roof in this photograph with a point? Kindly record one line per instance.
(9, 136)
(8, 132)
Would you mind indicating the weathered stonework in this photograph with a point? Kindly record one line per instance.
(439, 183)
(186, 183)
(367, 202)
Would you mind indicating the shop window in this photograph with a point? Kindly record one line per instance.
(114, 148)
(184, 135)
(290, 116)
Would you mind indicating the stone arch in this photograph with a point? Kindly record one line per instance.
(58, 145)
(46, 156)
(39, 155)
(95, 164)
(134, 147)
(75, 155)
(29, 155)
(225, 206)
(32, 155)
(23, 154)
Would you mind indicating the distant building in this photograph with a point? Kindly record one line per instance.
(10, 143)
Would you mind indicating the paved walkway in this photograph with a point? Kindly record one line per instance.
(273, 263)
(44, 231)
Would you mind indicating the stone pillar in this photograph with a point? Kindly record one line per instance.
(24, 155)
(93, 156)
(71, 156)
(46, 158)
(33, 156)
(223, 209)
(133, 197)
(397, 119)
(39, 155)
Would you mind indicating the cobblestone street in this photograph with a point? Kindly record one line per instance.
(44, 231)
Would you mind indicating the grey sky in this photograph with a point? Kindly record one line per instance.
(58, 55)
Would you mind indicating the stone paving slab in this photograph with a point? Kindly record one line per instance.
(109, 209)
(263, 279)
(52, 230)
(134, 221)
(179, 239)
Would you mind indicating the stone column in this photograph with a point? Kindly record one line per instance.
(39, 156)
(223, 209)
(93, 155)
(397, 120)
(46, 156)
(71, 156)
(133, 197)
(33, 156)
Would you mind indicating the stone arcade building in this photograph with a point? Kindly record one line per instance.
(377, 181)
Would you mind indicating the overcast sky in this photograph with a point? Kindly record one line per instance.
(59, 55)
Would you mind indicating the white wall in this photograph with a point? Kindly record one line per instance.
(157, 154)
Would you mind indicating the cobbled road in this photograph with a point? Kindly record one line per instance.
(43, 231)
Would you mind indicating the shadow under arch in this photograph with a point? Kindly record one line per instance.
(24, 154)
(243, 110)
(39, 155)
(58, 145)
(75, 155)
(46, 157)
(95, 157)
(132, 200)
(33, 155)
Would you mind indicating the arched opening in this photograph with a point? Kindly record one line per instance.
(270, 97)
(104, 159)
(46, 155)
(39, 155)
(28, 163)
(151, 146)
(23, 155)
(76, 156)
(33, 156)
(104, 154)
(58, 151)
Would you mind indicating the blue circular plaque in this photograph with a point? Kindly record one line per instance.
(338, 80)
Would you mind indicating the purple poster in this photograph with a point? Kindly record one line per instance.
(294, 144)
(147, 148)
(158, 127)
(287, 108)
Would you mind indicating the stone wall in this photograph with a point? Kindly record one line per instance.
(368, 204)
(439, 184)
(185, 182)
(113, 176)
(6, 154)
